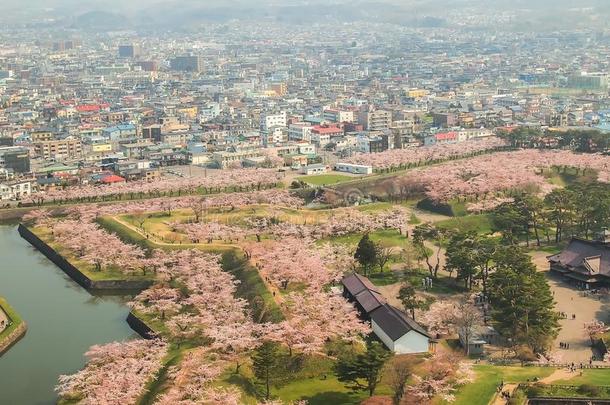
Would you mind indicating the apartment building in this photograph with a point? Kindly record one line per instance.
(268, 121)
(63, 148)
(375, 120)
(335, 115)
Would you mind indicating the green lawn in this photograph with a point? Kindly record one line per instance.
(589, 376)
(375, 207)
(574, 391)
(478, 223)
(324, 179)
(315, 383)
(567, 177)
(386, 278)
(489, 377)
(458, 208)
(318, 391)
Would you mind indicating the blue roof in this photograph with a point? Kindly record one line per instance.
(120, 127)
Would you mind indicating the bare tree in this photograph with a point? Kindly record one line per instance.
(198, 206)
(467, 320)
(384, 254)
(400, 370)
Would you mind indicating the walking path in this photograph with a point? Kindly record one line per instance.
(498, 399)
(571, 301)
(560, 374)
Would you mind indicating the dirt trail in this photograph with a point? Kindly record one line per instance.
(561, 374)
(498, 400)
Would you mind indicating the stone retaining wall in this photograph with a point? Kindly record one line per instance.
(16, 335)
(140, 327)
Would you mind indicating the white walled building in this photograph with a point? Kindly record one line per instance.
(400, 333)
(300, 131)
(335, 115)
(267, 121)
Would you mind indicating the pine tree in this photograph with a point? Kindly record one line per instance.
(266, 364)
(363, 371)
(408, 297)
(522, 303)
(366, 253)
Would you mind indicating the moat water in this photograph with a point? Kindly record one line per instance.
(63, 320)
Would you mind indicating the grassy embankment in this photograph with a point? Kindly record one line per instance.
(12, 315)
(88, 269)
(233, 261)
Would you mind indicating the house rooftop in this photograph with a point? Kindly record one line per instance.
(394, 322)
(584, 256)
(355, 283)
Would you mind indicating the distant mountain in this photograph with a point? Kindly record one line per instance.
(101, 20)
(184, 14)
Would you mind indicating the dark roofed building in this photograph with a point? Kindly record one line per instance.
(355, 283)
(587, 262)
(394, 328)
(362, 293)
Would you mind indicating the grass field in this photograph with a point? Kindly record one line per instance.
(489, 377)
(478, 223)
(324, 179)
(589, 376)
(315, 382)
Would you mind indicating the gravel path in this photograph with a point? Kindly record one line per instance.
(571, 301)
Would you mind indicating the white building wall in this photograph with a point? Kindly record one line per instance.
(411, 342)
(389, 343)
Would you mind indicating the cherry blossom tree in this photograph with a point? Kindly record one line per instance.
(115, 373)
(412, 157)
(439, 377)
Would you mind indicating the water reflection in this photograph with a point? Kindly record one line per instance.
(63, 321)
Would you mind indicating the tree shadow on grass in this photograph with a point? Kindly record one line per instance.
(245, 384)
(332, 397)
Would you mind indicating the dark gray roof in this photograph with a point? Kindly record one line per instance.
(395, 323)
(584, 256)
(369, 300)
(355, 283)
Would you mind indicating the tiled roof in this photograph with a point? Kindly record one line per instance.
(584, 256)
(394, 322)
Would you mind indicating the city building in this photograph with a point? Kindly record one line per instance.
(59, 149)
(188, 63)
(129, 51)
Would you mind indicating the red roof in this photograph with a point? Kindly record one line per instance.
(91, 107)
(446, 135)
(113, 178)
(318, 129)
